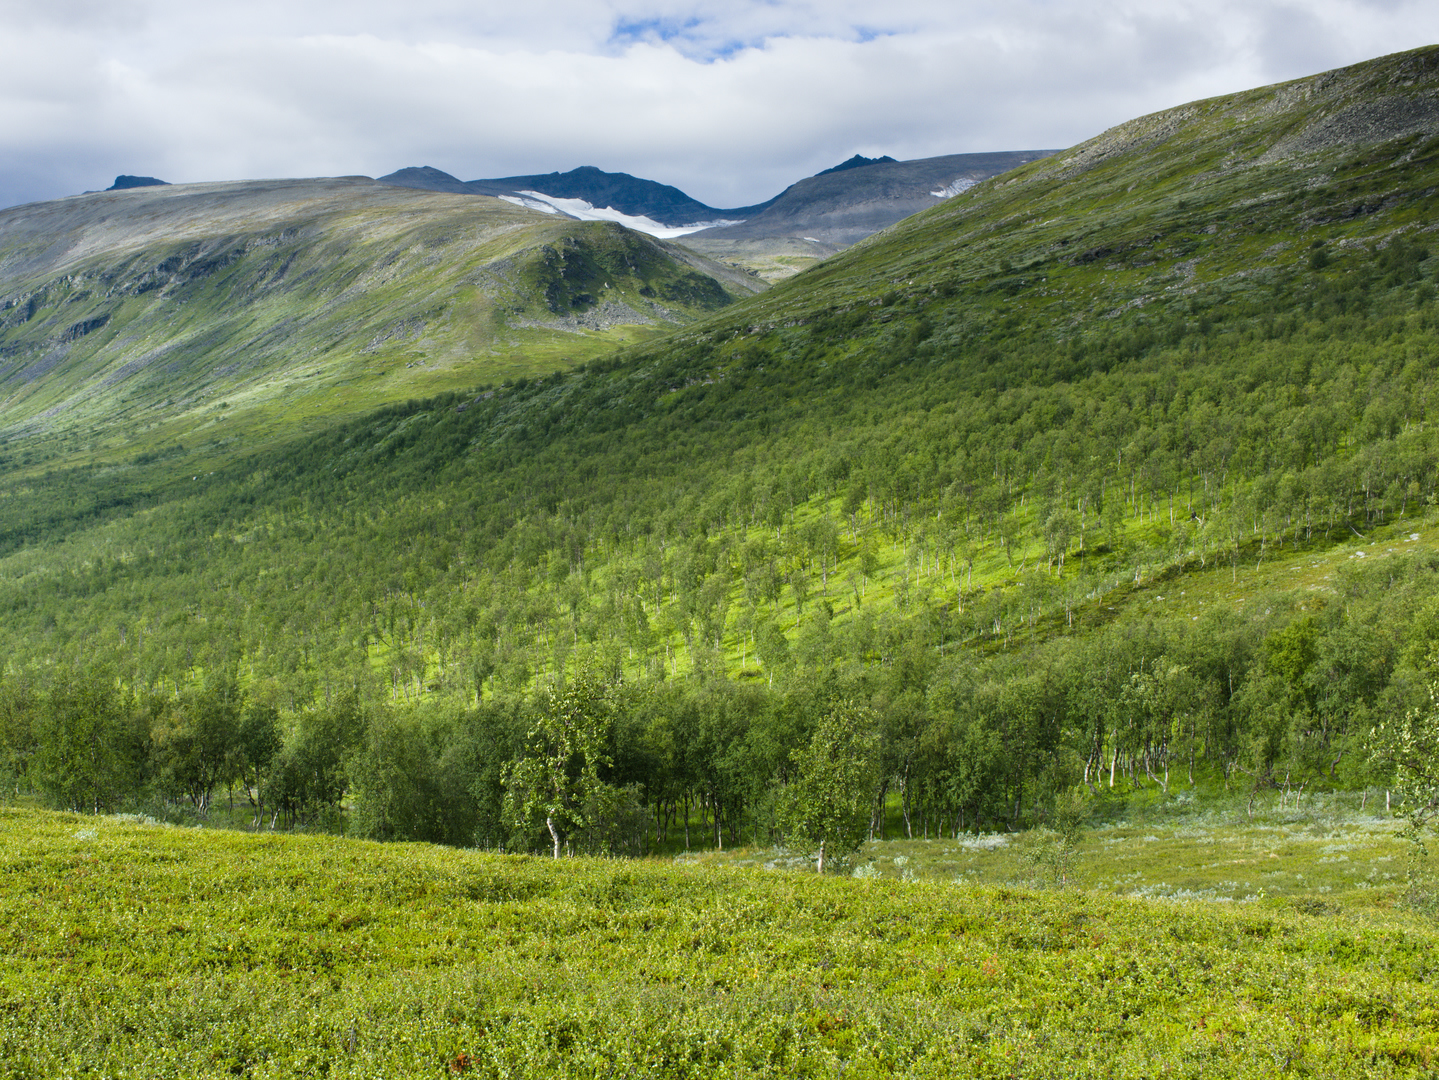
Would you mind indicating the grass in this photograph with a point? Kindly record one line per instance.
(138, 950)
(770, 260)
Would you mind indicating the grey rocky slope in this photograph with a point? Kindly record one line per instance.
(842, 207)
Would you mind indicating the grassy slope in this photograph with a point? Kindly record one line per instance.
(226, 315)
(1222, 192)
(138, 950)
(770, 260)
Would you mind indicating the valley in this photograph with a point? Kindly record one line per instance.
(1055, 569)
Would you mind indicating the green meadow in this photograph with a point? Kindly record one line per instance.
(134, 949)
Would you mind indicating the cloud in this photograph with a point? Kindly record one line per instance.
(730, 101)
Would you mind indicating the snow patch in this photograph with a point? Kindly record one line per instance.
(583, 211)
(530, 204)
(950, 190)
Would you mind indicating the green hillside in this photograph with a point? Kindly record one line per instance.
(1115, 470)
(223, 316)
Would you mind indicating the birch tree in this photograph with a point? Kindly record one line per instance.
(827, 805)
(558, 778)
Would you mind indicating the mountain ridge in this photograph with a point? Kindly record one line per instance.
(859, 161)
(124, 182)
(838, 205)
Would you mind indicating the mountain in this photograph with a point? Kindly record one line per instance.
(427, 178)
(807, 221)
(123, 182)
(843, 205)
(229, 310)
(1109, 471)
(815, 218)
(859, 161)
(1223, 194)
(626, 193)
(629, 195)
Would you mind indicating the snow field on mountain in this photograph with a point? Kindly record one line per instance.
(584, 211)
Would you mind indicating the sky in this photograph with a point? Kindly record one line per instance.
(729, 100)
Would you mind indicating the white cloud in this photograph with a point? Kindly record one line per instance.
(729, 101)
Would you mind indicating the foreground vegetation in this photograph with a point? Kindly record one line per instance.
(138, 950)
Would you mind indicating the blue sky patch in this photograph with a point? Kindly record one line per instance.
(697, 38)
(629, 31)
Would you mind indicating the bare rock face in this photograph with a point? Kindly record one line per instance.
(1363, 123)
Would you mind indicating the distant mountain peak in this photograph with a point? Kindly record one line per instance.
(426, 178)
(859, 161)
(843, 205)
(629, 195)
(123, 182)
